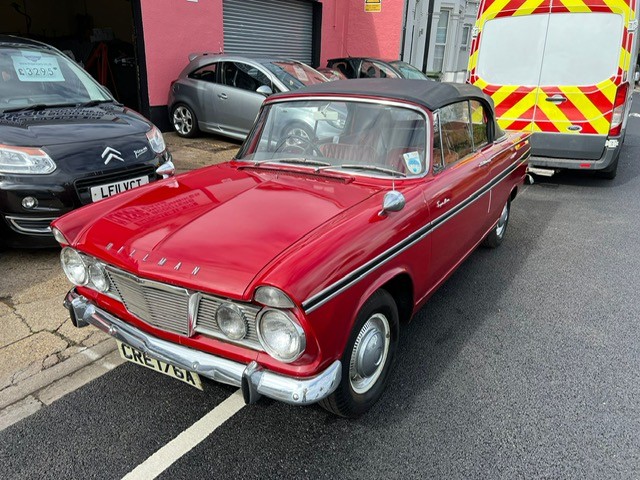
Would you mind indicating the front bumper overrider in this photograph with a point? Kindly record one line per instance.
(253, 379)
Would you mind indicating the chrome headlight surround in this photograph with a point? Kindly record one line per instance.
(231, 321)
(74, 266)
(84, 271)
(280, 334)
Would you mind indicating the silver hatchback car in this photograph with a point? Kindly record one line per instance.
(222, 94)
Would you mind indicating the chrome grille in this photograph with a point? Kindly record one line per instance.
(206, 321)
(163, 306)
(167, 307)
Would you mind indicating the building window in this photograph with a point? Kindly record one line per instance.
(441, 40)
(466, 29)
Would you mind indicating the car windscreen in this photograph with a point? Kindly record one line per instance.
(295, 75)
(409, 71)
(547, 50)
(31, 76)
(368, 138)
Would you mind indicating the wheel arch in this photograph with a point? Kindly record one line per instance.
(399, 284)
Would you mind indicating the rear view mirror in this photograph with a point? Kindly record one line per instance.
(264, 90)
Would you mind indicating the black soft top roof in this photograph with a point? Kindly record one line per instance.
(430, 94)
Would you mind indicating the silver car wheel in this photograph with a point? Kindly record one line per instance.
(502, 221)
(369, 353)
(182, 120)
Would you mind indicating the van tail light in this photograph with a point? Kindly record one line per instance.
(618, 110)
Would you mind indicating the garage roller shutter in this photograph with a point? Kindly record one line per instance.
(269, 28)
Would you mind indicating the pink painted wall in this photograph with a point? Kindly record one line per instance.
(348, 30)
(175, 28)
(172, 30)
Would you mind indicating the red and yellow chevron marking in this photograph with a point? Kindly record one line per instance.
(525, 108)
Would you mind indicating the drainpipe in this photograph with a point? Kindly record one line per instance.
(427, 40)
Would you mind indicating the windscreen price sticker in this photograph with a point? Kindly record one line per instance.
(35, 67)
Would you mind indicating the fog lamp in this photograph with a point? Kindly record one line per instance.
(29, 202)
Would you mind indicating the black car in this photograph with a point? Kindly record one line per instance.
(365, 67)
(64, 142)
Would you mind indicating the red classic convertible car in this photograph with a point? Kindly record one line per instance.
(289, 270)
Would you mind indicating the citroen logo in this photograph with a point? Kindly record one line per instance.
(111, 154)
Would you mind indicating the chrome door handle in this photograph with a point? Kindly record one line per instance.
(484, 162)
(442, 203)
(223, 96)
(557, 98)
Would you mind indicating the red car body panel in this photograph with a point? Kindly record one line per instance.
(317, 236)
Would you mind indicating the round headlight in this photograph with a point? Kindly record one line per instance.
(98, 277)
(74, 266)
(280, 335)
(231, 321)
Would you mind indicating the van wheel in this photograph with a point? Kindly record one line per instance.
(495, 237)
(367, 358)
(184, 121)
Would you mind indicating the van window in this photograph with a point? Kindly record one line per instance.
(582, 48)
(511, 50)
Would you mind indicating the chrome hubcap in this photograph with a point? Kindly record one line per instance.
(182, 120)
(369, 353)
(502, 222)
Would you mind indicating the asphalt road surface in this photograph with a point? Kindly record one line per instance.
(524, 364)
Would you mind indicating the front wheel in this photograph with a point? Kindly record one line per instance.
(367, 358)
(495, 237)
(184, 121)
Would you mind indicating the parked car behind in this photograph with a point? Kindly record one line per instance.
(222, 93)
(289, 270)
(64, 142)
(364, 67)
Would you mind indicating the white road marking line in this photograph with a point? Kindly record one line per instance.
(634, 114)
(183, 443)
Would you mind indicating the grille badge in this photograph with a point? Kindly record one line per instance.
(111, 154)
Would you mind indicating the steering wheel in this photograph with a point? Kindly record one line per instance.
(304, 145)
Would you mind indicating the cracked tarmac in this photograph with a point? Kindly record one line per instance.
(36, 333)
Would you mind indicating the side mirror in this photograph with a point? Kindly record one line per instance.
(636, 76)
(264, 90)
(393, 202)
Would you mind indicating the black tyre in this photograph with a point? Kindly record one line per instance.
(495, 237)
(184, 121)
(368, 357)
(612, 170)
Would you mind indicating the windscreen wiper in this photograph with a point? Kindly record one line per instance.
(375, 168)
(93, 103)
(37, 107)
(301, 161)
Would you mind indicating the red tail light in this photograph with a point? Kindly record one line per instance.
(618, 110)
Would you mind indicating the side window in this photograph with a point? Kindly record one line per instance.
(246, 77)
(206, 73)
(478, 124)
(375, 70)
(345, 68)
(455, 128)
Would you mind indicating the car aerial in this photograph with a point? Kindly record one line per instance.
(64, 142)
(222, 94)
(364, 67)
(288, 270)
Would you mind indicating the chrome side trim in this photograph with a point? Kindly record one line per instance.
(41, 230)
(295, 391)
(320, 298)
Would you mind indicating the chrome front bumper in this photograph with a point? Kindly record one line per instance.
(253, 379)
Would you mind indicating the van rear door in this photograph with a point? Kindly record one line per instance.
(554, 70)
(580, 75)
